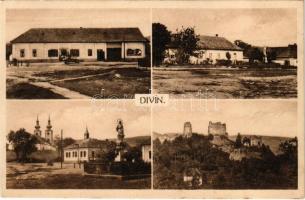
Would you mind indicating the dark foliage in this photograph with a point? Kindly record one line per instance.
(161, 38)
(172, 158)
(23, 144)
(186, 42)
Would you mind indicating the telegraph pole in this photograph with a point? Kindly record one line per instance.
(61, 149)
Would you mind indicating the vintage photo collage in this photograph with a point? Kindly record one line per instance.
(220, 89)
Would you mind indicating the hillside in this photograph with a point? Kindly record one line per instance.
(138, 140)
(272, 141)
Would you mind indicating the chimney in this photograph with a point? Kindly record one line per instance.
(216, 35)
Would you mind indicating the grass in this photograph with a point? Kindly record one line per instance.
(228, 83)
(28, 91)
(130, 81)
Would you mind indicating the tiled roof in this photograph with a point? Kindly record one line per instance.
(216, 43)
(87, 143)
(80, 35)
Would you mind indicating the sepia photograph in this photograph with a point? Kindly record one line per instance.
(236, 145)
(231, 53)
(97, 53)
(77, 145)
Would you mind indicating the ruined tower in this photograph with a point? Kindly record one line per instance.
(86, 134)
(217, 128)
(187, 129)
(37, 130)
(49, 132)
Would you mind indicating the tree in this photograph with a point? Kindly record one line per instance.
(109, 153)
(241, 44)
(228, 55)
(66, 142)
(186, 41)
(161, 38)
(238, 142)
(23, 143)
(256, 54)
(271, 55)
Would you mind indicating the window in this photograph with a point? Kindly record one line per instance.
(89, 52)
(81, 154)
(34, 52)
(134, 52)
(149, 154)
(67, 154)
(22, 53)
(74, 52)
(75, 154)
(52, 53)
(84, 153)
(92, 153)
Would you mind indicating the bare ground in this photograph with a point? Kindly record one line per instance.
(226, 83)
(41, 176)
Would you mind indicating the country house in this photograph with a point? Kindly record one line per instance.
(92, 44)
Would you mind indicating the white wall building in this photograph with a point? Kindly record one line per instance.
(94, 44)
(146, 152)
(210, 50)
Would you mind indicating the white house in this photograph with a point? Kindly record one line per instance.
(210, 49)
(286, 55)
(146, 152)
(92, 44)
(83, 150)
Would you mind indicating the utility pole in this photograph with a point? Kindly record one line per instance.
(61, 148)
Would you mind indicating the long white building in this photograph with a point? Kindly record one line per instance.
(92, 44)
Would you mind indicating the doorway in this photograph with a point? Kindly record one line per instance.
(114, 54)
(100, 54)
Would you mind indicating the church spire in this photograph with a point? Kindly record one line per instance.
(86, 135)
(49, 131)
(37, 130)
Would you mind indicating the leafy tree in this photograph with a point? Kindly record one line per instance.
(241, 44)
(186, 41)
(23, 143)
(109, 153)
(161, 38)
(133, 154)
(255, 54)
(66, 142)
(238, 142)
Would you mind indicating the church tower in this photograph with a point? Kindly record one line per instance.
(37, 130)
(86, 134)
(187, 129)
(49, 132)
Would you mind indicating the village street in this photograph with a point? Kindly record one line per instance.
(79, 81)
(39, 175)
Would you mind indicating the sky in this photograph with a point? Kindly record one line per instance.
(261, 27)
(261, 117)
(73, 116)
(20, 20)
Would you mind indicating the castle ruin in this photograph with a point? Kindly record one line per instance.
(217, 129)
